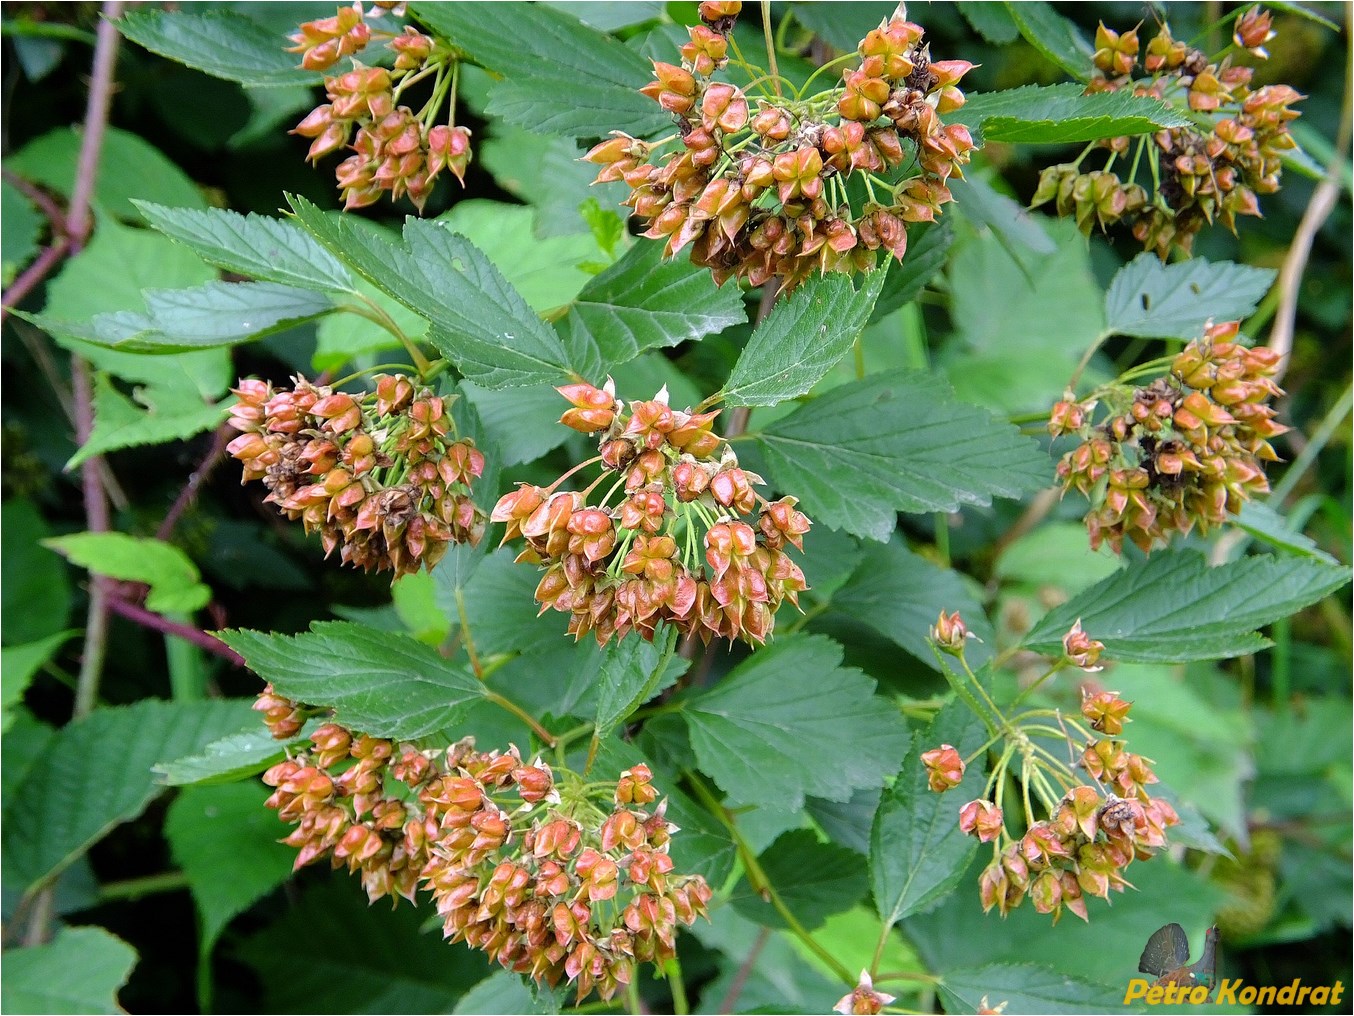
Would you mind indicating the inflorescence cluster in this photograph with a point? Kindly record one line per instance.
(396, 150)
(689, 542)
(793, 185)
(1185, 450)
(1214, 169)
(549, 876)
(381, 476)
(1093, 831)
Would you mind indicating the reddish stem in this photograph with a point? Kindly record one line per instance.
(195, 480)
(158, 622)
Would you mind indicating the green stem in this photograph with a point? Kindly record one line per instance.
(1096, 343)
(1324, 432)
(831, 63)
(547, 738)
(770, 45)
(942, 531)
(672, 970)
(146, 885)
(375, 313)
(760, 883)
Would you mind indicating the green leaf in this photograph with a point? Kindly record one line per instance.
(213, 314)
(35, 595)
(501, 608)
(546, 271)
(990, 20)
(631, 671)
(801, 339)
(380, 683)
(159, 413)
(900, 595)
(1175, 301)
(842, 25)
(330, 951)
(20, 665)
(645, 301)
(22, 224)
(223, 44)
(751, 732)
(1056, 554)
(1268, 526)
(129, 167)
(1015, 225)
(170, 573)
(225, 841)
(928, 245)
(814, 879)
(1028, 988)
(1063, 114)
(230, 758)
(80, 971)
(560, 76)
(272, 250)
(501, 992)
(70, 799)
(479, 321)
(917, 852)
(523, 421)
(905, 445)
(1053, 36)
(1173, 608)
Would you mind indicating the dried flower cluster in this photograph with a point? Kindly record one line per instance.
(1092, 834)
(689, 542)
(381, 476)
(560, 883)
(1183, 451)
(396, 150)
(794, 185)
(1213, 170)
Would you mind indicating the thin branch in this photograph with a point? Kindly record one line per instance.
(740, 979)
(158, 622)
(32, 276)
(195, 481)
(1318, 209)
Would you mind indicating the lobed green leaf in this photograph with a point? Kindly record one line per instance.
(80, 971)
(1174, 301)
(380, 683)
(1063, 114)
(751, 732)
(1173, 608)
(917, 852)
(268, 249)
(801, 339)
(1053, 36)
(97, 772)
(170, 573)
(221, 43)
(896, 442)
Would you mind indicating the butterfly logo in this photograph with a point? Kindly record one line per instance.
(1166, 958)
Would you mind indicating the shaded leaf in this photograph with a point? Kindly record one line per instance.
(221, 43)
(801, 339)
(900, 595)
(928, 245)
(66, 803)
(273, 250)
(631, 671)
(906, 446)
(917, 852)
(1028, 988)
(990, 20)
(35, 597)
(645, 301)
(20, 664)
(814, 879)
(1260, 520)
(80, 971)
(225, 841)
(1053, 36)
(170, 573)
(156, 414)
(1173, 608)
(380, 683)
(751, 731)
(129, 167)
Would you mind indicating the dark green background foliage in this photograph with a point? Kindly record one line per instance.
(136, 836)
